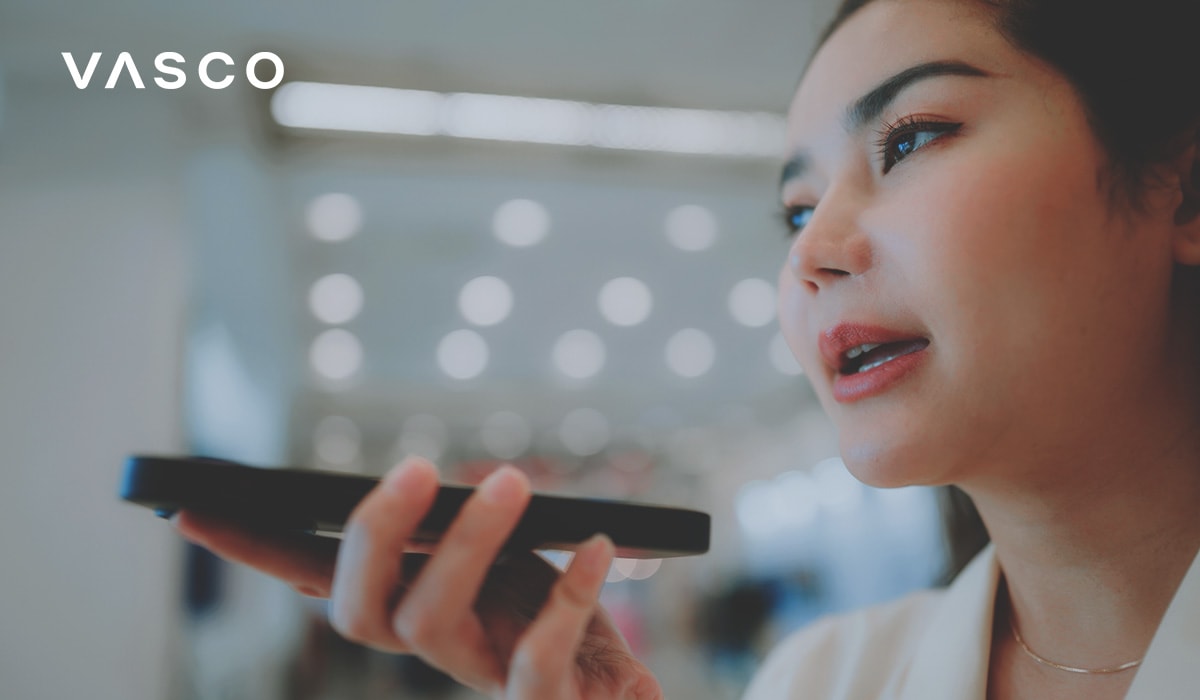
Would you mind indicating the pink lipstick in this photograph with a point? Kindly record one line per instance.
(868, 359)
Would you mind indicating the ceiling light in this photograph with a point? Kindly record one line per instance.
(359, 108)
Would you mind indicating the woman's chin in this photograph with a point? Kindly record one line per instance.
(887, 465)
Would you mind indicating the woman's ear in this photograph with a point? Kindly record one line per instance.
(1187, 214)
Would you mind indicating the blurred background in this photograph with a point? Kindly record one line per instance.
(528, 232)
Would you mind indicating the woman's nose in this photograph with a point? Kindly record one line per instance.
(829, 248)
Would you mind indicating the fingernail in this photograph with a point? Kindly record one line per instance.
(501, 486)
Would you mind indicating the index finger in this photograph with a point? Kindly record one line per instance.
(306, 562)
(370, 564)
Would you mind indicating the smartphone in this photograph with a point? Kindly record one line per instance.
(320, 502)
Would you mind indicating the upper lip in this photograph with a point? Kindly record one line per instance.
(836, 341)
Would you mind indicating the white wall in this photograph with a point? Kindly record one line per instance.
(92, 282)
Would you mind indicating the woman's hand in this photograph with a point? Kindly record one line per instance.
(511, 629)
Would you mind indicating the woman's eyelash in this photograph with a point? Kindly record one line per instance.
(892, 135)
(895, 134)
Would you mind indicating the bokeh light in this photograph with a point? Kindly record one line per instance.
(838, 490)
(336, 354)
(336, 298)
(584, 432)
(337, 440)
(506, 435)
(462, 354)
(782, 357)
(485, 301)
(423, 435)
(625, 301)
(334, 217)
(691, 227)
(579, 354)
(752, 302)
(521, 222)
(644, 569)
(690, 353)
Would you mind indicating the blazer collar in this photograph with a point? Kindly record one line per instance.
(951, 660)
(1170, 668)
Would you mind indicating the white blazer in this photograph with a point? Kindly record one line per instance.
(935, 645)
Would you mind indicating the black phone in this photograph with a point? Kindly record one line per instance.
(316, 501)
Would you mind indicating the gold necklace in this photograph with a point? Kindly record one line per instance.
(1062, 667)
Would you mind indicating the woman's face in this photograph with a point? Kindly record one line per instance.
(977, 230)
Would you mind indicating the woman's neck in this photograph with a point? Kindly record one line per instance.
(1092, 558)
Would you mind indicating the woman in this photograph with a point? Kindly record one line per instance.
(992, 282)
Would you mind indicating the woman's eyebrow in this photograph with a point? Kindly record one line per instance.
(868, 107)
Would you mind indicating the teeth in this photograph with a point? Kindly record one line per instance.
(855, 352)
(881, 360)
(875, 364)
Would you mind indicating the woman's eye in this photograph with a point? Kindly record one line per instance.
(908, 136)
(796, 218)
(911, 142)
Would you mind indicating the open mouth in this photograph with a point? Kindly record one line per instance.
(868, 356)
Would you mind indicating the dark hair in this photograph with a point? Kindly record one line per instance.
(963, 531)
(1135, 67)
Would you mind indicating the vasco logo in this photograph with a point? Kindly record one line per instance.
(169, 64)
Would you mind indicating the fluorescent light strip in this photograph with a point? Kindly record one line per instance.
(358, 108)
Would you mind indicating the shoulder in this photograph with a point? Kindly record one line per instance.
(853, 655)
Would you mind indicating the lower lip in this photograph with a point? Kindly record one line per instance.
(861, 385)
